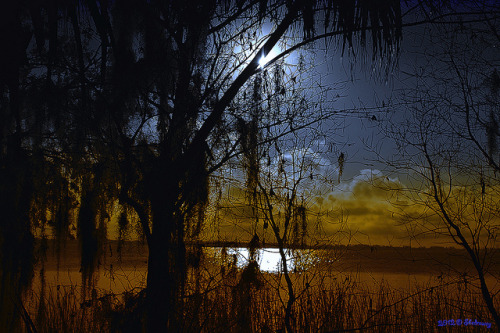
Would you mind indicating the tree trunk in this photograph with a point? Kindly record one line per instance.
(167, 260)
(289, 284)
(16, 239)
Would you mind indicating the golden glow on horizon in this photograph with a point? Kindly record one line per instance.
(373, 208)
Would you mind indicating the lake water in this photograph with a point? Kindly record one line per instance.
(269, 259)
(398, 267)
(357, 271)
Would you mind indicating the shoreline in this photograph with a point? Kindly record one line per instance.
(354, 258)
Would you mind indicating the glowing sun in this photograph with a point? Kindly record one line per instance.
(265, 59)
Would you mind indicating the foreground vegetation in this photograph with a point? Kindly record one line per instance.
(247, 300)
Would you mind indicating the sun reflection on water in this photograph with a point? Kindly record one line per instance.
(269, 259)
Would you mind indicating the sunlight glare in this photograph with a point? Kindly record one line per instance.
(269, 258)
(264, 60)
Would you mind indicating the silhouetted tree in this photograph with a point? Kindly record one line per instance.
(285, 189)
(136, 100)
(449, 142)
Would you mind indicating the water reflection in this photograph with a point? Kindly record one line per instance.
(269, 259)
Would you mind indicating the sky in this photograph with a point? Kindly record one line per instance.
(363, 204)
(371, 204)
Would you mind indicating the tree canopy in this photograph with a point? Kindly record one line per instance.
(141, 101)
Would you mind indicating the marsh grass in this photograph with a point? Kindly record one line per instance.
(226, 302)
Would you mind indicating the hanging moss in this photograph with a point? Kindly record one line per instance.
(301, 214)
(194, 256)
(249, 135)
(97, 188)
(123, 227)
(492, 131)
(299, 225)
(195, 190)
(248, 132)
(17, 257)
(87, 236)
(341, 161)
